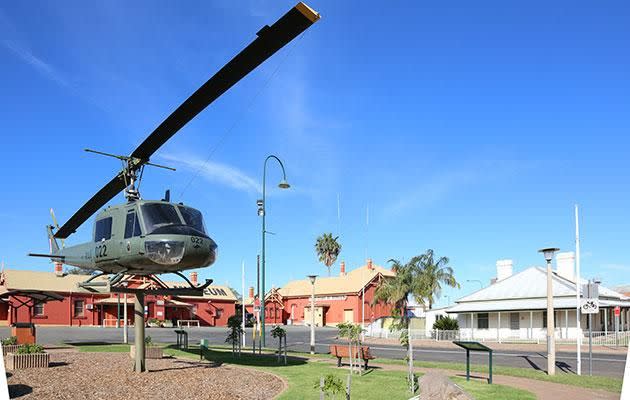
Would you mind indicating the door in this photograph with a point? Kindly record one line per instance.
(348, 315)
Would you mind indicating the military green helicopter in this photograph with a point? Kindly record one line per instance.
(148, 237)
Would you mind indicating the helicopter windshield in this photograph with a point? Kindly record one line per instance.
(193, 218)
(157, 215)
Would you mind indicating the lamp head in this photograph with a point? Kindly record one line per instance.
(312, 279)
(284, 184)
(548, 253)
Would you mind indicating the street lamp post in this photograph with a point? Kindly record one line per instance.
(551, 336)
(476, 280)
(261, 212)
(312, 279)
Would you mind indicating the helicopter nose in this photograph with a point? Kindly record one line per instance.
(201, 252)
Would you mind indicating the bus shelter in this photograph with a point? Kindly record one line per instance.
(24, 331)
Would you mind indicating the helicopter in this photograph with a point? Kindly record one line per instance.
(152, 237)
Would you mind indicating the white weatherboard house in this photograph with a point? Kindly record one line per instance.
(514, 306)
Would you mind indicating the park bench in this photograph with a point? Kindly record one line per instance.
(341, 352)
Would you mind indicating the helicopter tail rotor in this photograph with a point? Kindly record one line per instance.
(56, 225)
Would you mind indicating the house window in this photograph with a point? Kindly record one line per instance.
(78, 308)
(103, 229)
(515, 322)
(219, 312)
(38, 309)
(482, 321)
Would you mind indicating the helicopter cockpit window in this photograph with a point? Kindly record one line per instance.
(103, 229)
(157, 215)
(132, 225)
(192, 218)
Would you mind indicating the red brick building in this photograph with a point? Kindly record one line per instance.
(81, 307)
(337, 299)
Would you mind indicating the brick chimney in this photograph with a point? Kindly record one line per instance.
(369, 264)
(58, 269)
(251, 292)
(342, 268)
(193, 278)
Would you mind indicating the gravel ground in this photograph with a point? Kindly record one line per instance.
(74, 375)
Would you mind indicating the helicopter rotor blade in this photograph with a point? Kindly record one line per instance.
(97, 201)
(270, 39)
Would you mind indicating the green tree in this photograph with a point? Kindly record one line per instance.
(421, 278)
(278, 333)
(351, 332)
(434, 273)
(327, 248)
(235, 333)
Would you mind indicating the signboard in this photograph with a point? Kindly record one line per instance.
(617, 311)
(590, 306)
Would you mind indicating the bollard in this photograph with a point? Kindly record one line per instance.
(321, 388)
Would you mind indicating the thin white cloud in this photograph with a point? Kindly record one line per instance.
(215, 172)
(42, 67)
(430, 192)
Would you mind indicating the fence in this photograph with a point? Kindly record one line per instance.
(188, 323)
(610, 339)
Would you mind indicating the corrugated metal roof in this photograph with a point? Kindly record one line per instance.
(24, 279)
(38, 280)
(527, 290)
(531, 283)
(352, 282)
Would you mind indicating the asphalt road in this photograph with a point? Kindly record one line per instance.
(298, 339)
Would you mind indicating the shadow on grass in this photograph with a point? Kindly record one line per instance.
(220, 356)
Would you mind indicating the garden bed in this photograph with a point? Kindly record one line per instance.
(80, 375)
(150, 352)
(26, 361)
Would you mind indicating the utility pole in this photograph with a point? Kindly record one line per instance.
(578, 296)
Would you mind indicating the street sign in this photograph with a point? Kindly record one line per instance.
(617, 311)
(589, 306)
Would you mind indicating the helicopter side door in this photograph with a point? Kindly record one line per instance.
(103, 228)
(130, 244)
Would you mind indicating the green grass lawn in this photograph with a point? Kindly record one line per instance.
(301, 375)
(593, 382)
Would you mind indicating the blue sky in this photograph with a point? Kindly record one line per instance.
(468, 128)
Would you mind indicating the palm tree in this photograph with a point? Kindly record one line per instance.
(420, 278)
(327, 248)
(434, 274)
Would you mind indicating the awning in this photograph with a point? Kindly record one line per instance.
(112, 301)
(559, 303)
(36, 296)
(177, 303)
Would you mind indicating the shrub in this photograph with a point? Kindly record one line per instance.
(278, 332)
(446, 324)
(11, 340)
(148, 341)
(332, 386)
(30, 349)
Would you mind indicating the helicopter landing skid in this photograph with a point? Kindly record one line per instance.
(90, 284)
(163, 289)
